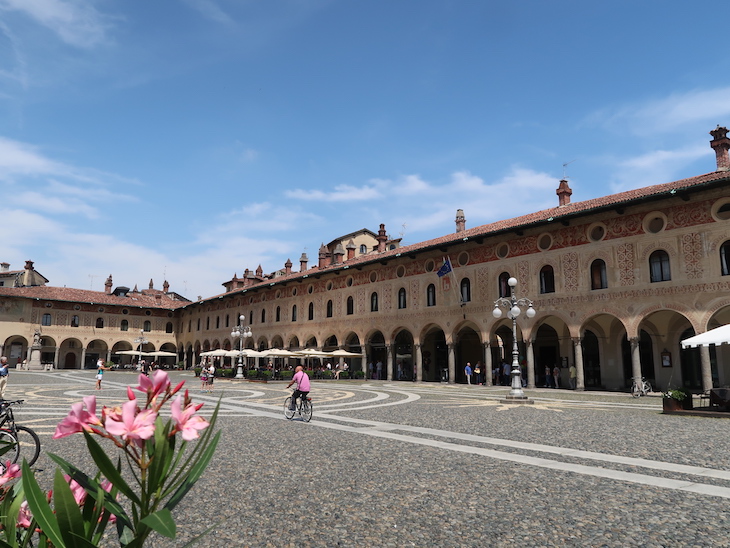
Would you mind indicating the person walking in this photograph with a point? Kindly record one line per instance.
(467, 372)
(548, 376)
(573, 374)
(4, 371)
(100, 368)
(556, 377)
(379, 370)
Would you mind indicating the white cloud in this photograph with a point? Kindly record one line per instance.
(210, 10)
(76, 23)
(341, 193)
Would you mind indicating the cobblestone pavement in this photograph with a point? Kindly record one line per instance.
(404, 464)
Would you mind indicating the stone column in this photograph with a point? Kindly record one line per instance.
(635, 359)
(487, 364)
(530, 351)
(452, 362)
(83, 358)
(706, 368)
(580, 382)
(389, 363)
(418, 360)
(56, 355)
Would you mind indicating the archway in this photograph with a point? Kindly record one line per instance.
(377, 354)
(468, 349)
(403, 347)
(435, 354)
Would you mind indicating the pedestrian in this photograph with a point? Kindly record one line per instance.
(3, 376)
(145, 368)
(204, 378)
(573, 374)
(556, 376)
(379, 370)
(371, 371)
(211, 377)
(495, 375)
(506, 370)
(479, 372)
(100, 368)
(548, 376)
(467, 372)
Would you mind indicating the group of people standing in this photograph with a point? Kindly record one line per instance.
(501, 375)
(207, 376)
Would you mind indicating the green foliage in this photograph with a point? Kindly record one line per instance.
(287, 375)
(679, 394)
(359, 374)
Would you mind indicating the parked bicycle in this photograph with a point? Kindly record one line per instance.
(303, 407)
(640, 387)
(24, 441)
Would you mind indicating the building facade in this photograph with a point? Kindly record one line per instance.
(617, 282)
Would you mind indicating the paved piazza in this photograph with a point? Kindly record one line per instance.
(402, 464)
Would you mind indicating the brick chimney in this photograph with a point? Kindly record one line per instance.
(152, 284)
(166, 286)
(460, 221)
(721, 144)
(323, 256)
(382, 238)
(108, 285)
(259, 272)
(4, 267)
(287, 267)
(563, 192)
(303, 260)
(351, 247)
(338, 254)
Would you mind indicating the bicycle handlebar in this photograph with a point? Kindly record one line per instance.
(8, 403)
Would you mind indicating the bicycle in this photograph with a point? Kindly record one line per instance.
(303, 407)
(640, 387)
(25, 442)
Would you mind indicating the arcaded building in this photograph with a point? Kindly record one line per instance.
(617, 282)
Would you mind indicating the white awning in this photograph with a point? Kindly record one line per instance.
(719, 335)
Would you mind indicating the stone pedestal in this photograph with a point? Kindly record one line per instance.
(34, 364)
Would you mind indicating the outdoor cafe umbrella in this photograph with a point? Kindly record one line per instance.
(163, 354)
(717, 336)
(344, 354)
(132, 353)
(218, 352)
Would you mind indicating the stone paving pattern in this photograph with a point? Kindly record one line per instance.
(285, 483)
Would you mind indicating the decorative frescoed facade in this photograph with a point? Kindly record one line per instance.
(617, 283)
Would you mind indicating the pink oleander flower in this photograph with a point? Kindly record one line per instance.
(79, 419)
(134, 425)
(78, 492)
(12, 471)
(107, 486)
(185, 419)
(160, 383)
(24, 516)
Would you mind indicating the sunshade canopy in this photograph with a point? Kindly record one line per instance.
(719, 335)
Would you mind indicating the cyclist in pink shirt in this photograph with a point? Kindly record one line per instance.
(303, 388)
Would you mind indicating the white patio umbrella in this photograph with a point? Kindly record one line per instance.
(339, 353)
(312, 353)
(163, 354)
(279, 353)
(717, 336)
(217, 352)
(132, 353)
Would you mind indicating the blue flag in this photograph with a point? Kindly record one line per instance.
(445, 269)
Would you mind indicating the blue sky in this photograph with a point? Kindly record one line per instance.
(192, 139)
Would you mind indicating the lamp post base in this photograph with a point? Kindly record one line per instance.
(239, 373)
(517, 400)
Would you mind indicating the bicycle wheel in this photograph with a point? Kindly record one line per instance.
(647, 388)
(30, 445)
(288, 411)
(635, 390)
(9, 447)
(306, 410)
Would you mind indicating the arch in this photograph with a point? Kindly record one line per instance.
(294, 343)
(435, 354)
(403, 354)
(468, 349)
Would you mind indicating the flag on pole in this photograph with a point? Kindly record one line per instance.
(445, 269)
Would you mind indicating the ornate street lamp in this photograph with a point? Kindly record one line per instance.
(514, 307)
(242, 333)
(141, 340)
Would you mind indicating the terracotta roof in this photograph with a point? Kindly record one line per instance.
(49, 293)
(545, 216)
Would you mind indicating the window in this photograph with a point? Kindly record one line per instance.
(294, 313)
(100, 323)
(431, 295)
(350, 306)
(363, 249)
(310, 312)
(228, 320)
(190, 325)
(250, 318)
(217, 322)
(168, 327)
(725, 258)
(46, 319)
(198, 324)
(207, 323)
(598, 274)
(659, 266)
(74, 321)
(504, 289)
(329, 308)
(263, 315)
(373, 302)
(465, 289)
(125, 325)
(402, 298)
(547, 279)
(147, 326)
(278, 313)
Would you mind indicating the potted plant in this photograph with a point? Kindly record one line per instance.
(676, 399)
